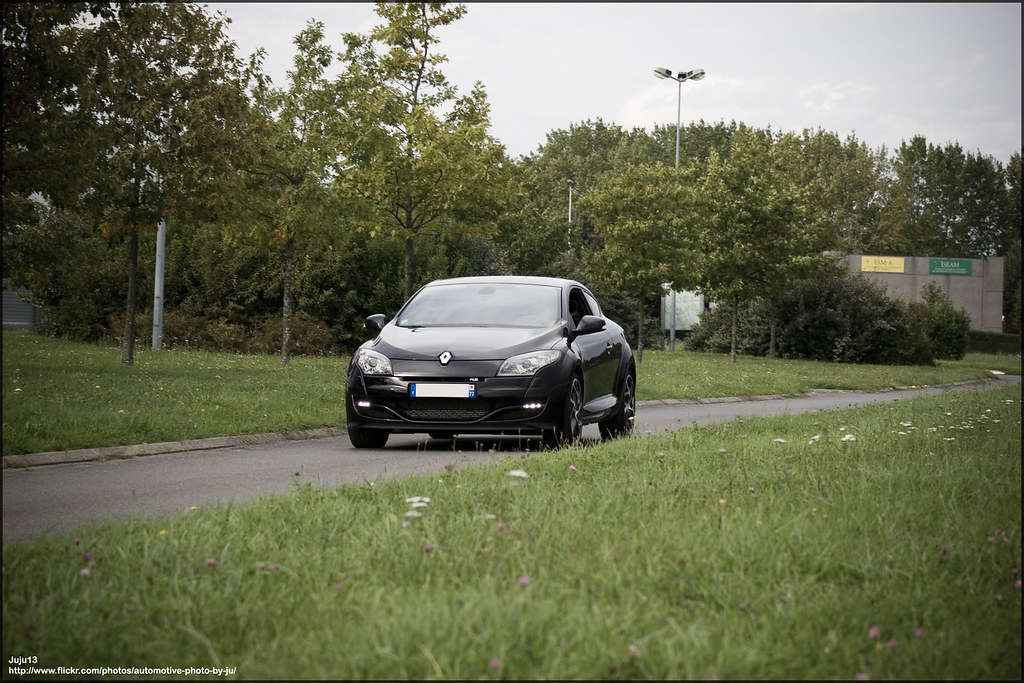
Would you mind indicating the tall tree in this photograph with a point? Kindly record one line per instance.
(641, 219)
(1010, 248)
(43, 71)
(424, 157)
(142, 113)
(751, 225)
(955, 199)
(287, 187)
(845, 183)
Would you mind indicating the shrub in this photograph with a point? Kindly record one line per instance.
(848, 319)
(842, 318)
(310, 337)
(947, 327)
(993, 342)
(714, 331)
(185, 330)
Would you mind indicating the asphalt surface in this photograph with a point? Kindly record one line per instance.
(49, 493)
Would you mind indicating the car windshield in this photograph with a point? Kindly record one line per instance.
(483, 305)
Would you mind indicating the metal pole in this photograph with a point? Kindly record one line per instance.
(679, 118)
(672, 292)
(570, 211)
(158, 286)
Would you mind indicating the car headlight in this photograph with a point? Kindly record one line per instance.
(528, 363)
(372, 363)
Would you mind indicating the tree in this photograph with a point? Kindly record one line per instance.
(640, 215)
(141, 113)
(955, 199)
(423, 158)
(845, 183)
(750, 221)
(287, 188)
(536, 231)
(1010, 248)
(42, 71)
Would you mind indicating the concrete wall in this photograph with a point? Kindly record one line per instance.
(980, 293)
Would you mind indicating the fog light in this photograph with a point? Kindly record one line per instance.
(363, 404)
(533, 406)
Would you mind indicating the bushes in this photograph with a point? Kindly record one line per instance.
(846, 319)
(310, 337)
(993, 342)
(947, 327)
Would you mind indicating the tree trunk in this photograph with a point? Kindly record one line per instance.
(773, 324)
(640, 330)
(735, 317)
(286, 336)
(128, 342)
(408, 267)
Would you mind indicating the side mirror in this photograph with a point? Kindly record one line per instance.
(376, 322)
(589, 324)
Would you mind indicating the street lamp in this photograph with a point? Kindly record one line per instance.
(570, 183)
(692, 75)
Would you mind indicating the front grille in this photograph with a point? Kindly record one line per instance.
(444, 414)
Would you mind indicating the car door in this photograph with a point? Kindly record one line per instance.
(600, 352)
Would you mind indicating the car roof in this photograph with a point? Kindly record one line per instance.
(510, 279)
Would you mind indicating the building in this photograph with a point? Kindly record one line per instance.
(975, 285)
(18, 314)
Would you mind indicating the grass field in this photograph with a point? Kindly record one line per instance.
(59, 395)
(881, 542)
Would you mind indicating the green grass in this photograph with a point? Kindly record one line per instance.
(59, 395)
(880, 542)
(686, 374)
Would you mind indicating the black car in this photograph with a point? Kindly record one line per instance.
(492, 355)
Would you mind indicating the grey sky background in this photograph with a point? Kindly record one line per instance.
(883, 72)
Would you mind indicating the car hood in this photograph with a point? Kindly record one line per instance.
(464, 343)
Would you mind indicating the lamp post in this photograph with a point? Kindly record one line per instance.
(570, 184)
(692, 75)
(161, 244)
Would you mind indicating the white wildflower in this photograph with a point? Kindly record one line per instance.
(518, 473)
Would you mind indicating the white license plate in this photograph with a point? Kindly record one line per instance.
(426, 390)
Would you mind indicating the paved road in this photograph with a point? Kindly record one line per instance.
(54, 498)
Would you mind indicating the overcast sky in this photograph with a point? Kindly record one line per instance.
(883, 72)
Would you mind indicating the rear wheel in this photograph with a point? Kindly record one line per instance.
(571, 430)
(621, 423)
(367, 438)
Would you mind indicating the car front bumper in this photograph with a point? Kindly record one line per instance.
(499, 405)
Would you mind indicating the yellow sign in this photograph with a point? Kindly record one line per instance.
(881, 264)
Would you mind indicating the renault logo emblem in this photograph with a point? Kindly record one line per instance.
(445, 358)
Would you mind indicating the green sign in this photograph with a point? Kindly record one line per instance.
(949, 266)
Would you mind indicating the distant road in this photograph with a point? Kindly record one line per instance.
(51, 499)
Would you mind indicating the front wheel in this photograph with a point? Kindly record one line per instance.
(570, 432)
(367, 438)
(621, 423)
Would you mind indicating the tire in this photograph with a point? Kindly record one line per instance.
(621, 423)
(570, 431)
(367, 438)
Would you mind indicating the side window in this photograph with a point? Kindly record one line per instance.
(580, 305)
(594, 308)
